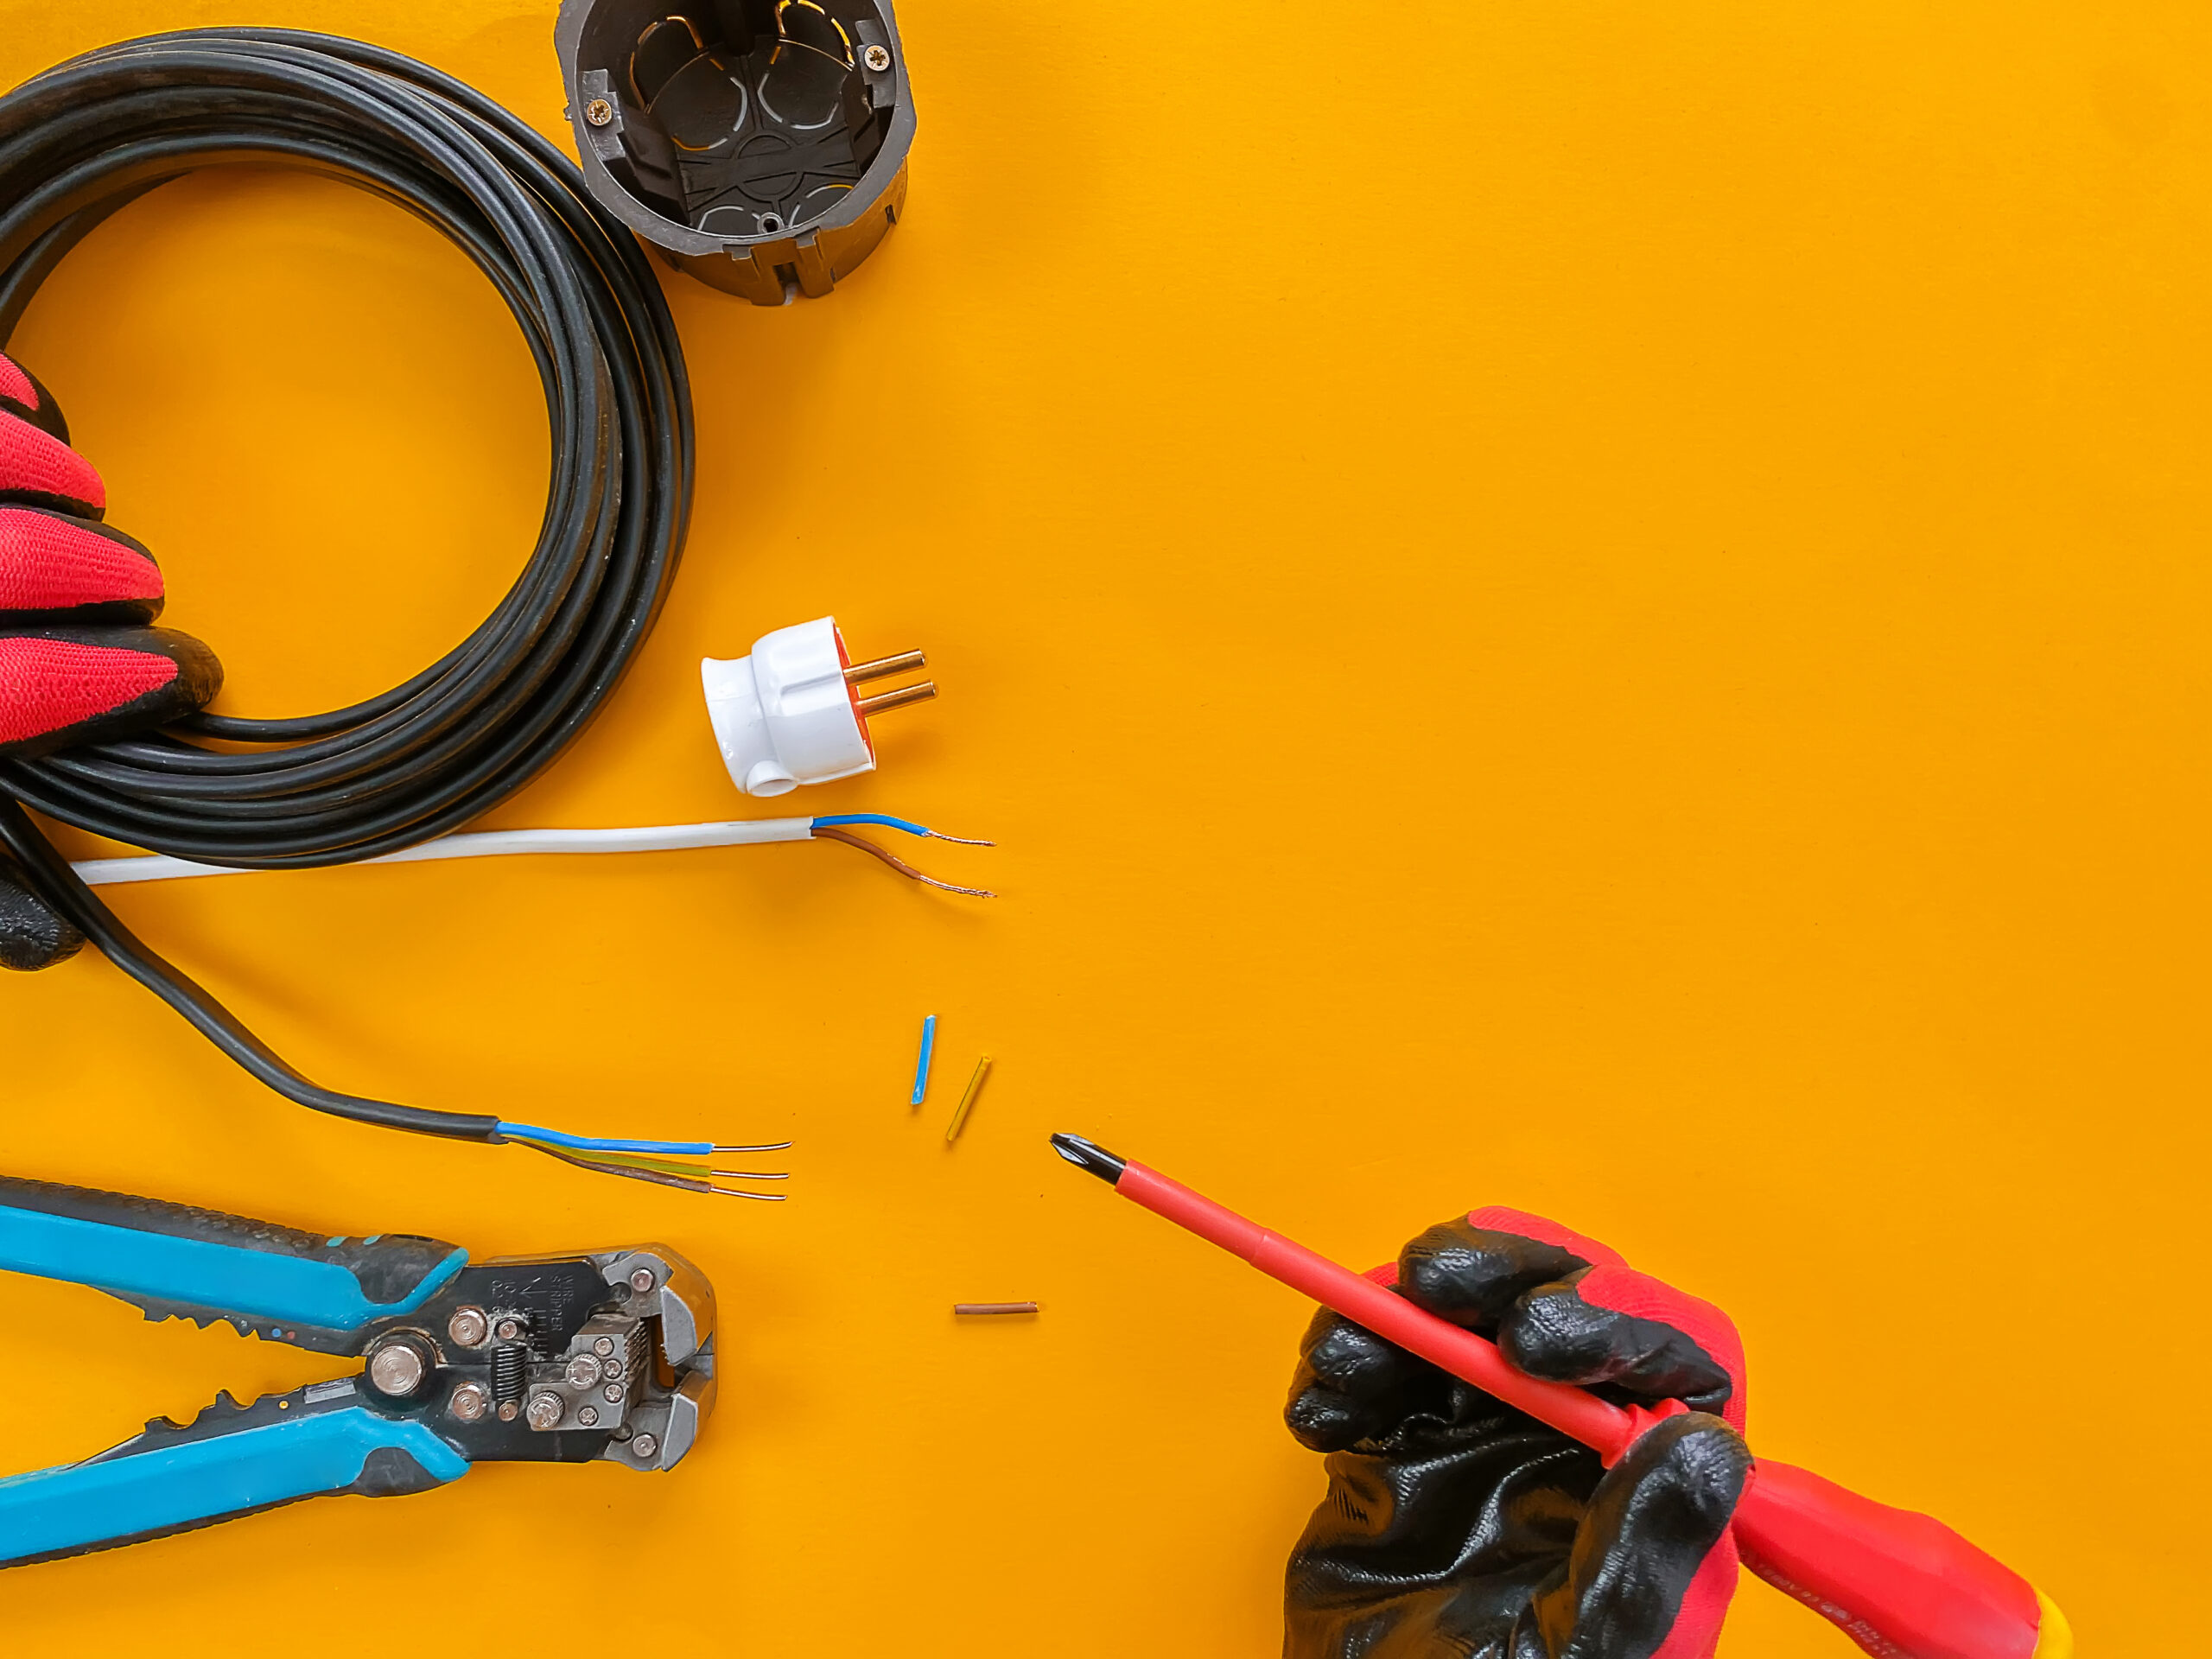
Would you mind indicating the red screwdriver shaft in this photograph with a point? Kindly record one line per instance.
(1901, 1584)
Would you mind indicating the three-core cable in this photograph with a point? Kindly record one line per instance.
(83, 139)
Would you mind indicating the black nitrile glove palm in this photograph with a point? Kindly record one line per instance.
(78, 663)
(1456, 1528)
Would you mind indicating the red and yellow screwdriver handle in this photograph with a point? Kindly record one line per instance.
(1902, 1585)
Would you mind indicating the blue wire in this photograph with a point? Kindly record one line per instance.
(589, 1143)
(841, 819)
(922, 1066)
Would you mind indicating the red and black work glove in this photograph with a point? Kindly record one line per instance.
(1456, 1528)
(78, 663)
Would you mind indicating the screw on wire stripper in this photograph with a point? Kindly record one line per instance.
(606, 1355)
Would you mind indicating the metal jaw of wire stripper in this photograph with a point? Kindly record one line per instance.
(606, 1355)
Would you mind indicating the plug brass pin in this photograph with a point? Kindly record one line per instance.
(884, 667)
(870, 707)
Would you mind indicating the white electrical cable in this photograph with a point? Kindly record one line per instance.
(489, 843)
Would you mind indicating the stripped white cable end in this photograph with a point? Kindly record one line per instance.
(490, 843)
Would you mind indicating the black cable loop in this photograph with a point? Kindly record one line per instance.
(422, 759)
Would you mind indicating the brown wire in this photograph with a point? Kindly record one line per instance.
(630, 1170)
(653, 1175)
(900, 864)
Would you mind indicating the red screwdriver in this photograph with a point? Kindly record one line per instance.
(1903, 1585)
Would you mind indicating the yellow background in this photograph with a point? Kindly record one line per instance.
(1598, 607)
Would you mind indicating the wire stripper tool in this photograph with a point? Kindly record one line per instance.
(606, 1355)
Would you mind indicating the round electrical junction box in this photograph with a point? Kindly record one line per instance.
(760, 144)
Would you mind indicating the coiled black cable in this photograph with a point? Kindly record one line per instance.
(88, 136)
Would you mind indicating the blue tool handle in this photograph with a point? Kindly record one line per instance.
(173, 1261)
(232, 1460)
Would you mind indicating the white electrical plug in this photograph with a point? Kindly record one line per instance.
(791, 713)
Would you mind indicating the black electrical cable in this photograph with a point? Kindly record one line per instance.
(83, 139)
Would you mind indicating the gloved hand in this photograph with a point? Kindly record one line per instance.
(1455, 1527)
(78, 664)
